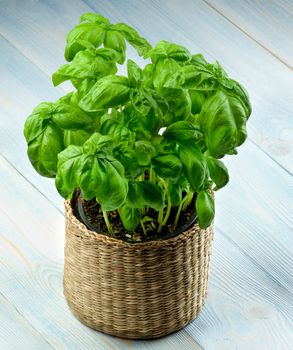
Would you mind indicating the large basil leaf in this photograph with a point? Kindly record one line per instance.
(87, 64)
(95, 173)
(79, 36)
(130, 217)
(223, 121)
(108, 92)
(168, 166)
(114, 187)
(205, 208)
(183, 132)
(114, 40)
(145, 193)
(70, 164)
(44, 139)
(218, 172)
(68, 115)
(194, 166)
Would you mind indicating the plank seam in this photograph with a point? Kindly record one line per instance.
(248, 35)
(259, 266)
(34, 186)
(22, 316)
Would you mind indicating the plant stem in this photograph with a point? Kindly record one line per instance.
(164, 221)
(143, 228)
(107, 222)
(152, 174)
(188, 200)
(180, 208)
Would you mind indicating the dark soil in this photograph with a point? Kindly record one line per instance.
(94, 216)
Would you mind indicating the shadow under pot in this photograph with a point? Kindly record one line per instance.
(135, 290)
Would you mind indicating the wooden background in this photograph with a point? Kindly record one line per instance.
(250, 304)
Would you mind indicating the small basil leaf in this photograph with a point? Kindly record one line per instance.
(134, 73)
(130, 217)
(183, 132)
(175, 193)
(205, 208)
(218, 172)
(144, 151)
(114, 40)
(131, 35)
(166, 49)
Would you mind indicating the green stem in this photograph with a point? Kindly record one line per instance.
(163, 222)
(180, 208)
(143, 228)
(188, 200)
(152, 174)
(107, 222)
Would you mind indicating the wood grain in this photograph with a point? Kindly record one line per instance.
(269, 23)
(38, 31)
(250, 297)
(245, 305)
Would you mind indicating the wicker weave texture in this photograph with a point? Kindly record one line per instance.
(143, 290)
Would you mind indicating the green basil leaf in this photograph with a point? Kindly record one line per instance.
(108, 92)
(68, 115)
(114, 187)
(205, 208)
(223, 121)
(164, 68)
(87, 64)
(77, 38)
(130, 34)
(94, 18)
(183, 132)
(175, 193)
(168, 166)
(134, 73)
(70, 164)
(194, 166)
(98, 143)
(145, 193)
(144, 151)
(75, 137)
(130, 217)
(44, 139)
(115, 41)
(218, 172)
(166, 49)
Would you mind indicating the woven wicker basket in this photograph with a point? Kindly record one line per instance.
(141, 290)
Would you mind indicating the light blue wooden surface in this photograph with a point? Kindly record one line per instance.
(250, 300)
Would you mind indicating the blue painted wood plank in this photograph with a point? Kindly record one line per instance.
(269, 23)
(245, 305)
(16, 332)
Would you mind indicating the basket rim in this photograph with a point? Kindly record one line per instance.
(99, 237)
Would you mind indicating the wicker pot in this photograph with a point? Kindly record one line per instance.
(140, 290)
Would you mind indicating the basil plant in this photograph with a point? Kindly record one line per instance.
(151, 140)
